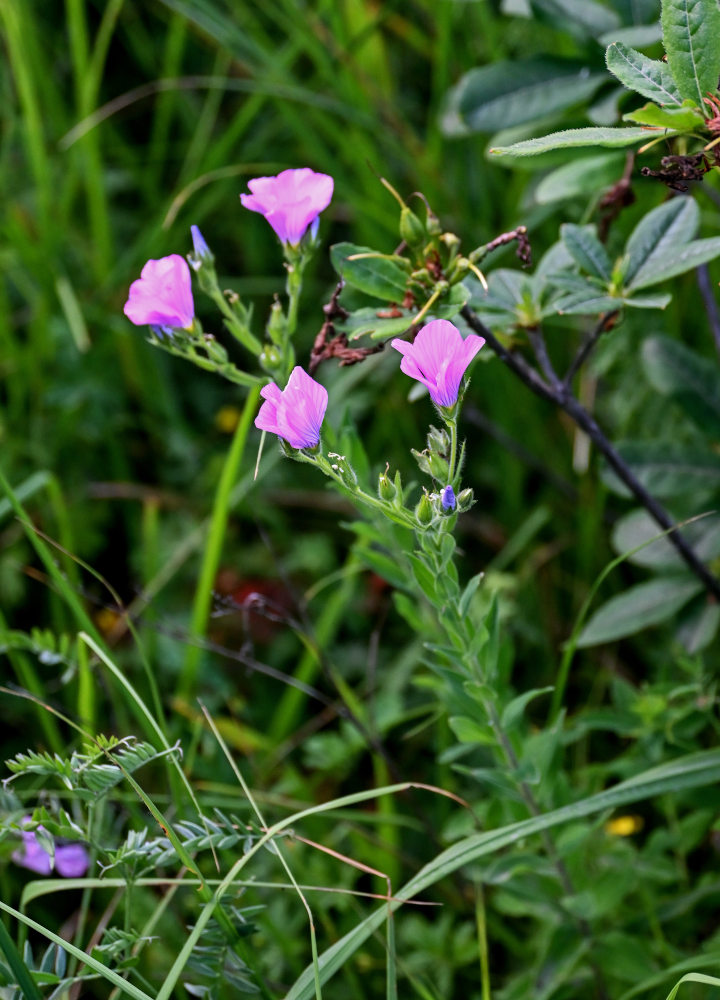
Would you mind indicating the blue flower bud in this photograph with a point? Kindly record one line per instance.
(447, 498)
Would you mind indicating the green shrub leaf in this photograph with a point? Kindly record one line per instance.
(648, 77)
(691, 30)
(647, 604)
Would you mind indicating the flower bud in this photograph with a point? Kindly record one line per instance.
(424, 510)
(201, 251)
(412, 229)
(386, 487)
(276, 326)
(438, 440)
(271, 359)
(465, 500)
(343, 469)
(447, 498)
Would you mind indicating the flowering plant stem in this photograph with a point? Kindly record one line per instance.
(558, 391)
(213, 550)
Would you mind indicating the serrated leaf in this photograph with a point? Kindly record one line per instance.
(648, 77)
(670, 264)
(658, 236)
(506, 94)
(573, 138)
(691, 34)
(374, 275)
(667, 469)
(691, 380)
(685, 119)
(637, 608)
(586, 249)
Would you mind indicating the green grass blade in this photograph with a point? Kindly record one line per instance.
(691, 771)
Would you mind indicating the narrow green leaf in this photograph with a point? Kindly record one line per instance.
(670, 264)
(659, 301)
(648, 77)
(514, 710)
(667, 469)
(658, 235)
(506, 94)
(689, 379)
(20, 971)
(691, 34)
(688, 118)
(587, 250)
(572, 138)
(693, 977)
(372, 274)
(692, 771)
(635, 609)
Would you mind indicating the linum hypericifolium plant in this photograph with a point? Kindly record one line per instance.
(683, 106)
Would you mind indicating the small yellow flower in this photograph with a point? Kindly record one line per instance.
(226, 419)
(624, 826)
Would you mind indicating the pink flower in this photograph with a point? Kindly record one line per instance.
(439, 358)
(295, 413)
(162, 295)
(71, 860)
(291, 201)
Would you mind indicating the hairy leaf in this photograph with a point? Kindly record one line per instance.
(691, 30)
(637, 72)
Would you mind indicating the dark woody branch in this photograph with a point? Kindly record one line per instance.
(560, 393)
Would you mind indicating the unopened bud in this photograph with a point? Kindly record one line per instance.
(270, 359)
(465, 500)
(411, 228)
(386, 488)
(343, 469)
(447, 498)
(438, 440)
(424, 510)
(276, 326)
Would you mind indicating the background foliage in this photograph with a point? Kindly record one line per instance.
(123, 124)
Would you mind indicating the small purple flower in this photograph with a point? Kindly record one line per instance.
(438, 358)
(71, 860)
(447, 498)
(162, 295)
(295, 413)
(291, 201)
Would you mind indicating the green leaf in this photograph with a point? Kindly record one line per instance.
(507, 94)
(587, 250)
(366, 321)
(648, 77)
(692, 771)
(667, 469)
(658, 236)
(374, 275)
(699, 628)
(515, 709)
(424, 578)
(658, 301)
(670, 264)
(688, 118)
(585, 176)
(637, 527)
(583, 18)
(689, 379)
(635, 609)
(691, 34)
(590, 301)
(572, 138)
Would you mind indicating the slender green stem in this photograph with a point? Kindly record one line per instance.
(452, 424)
(213, 550)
